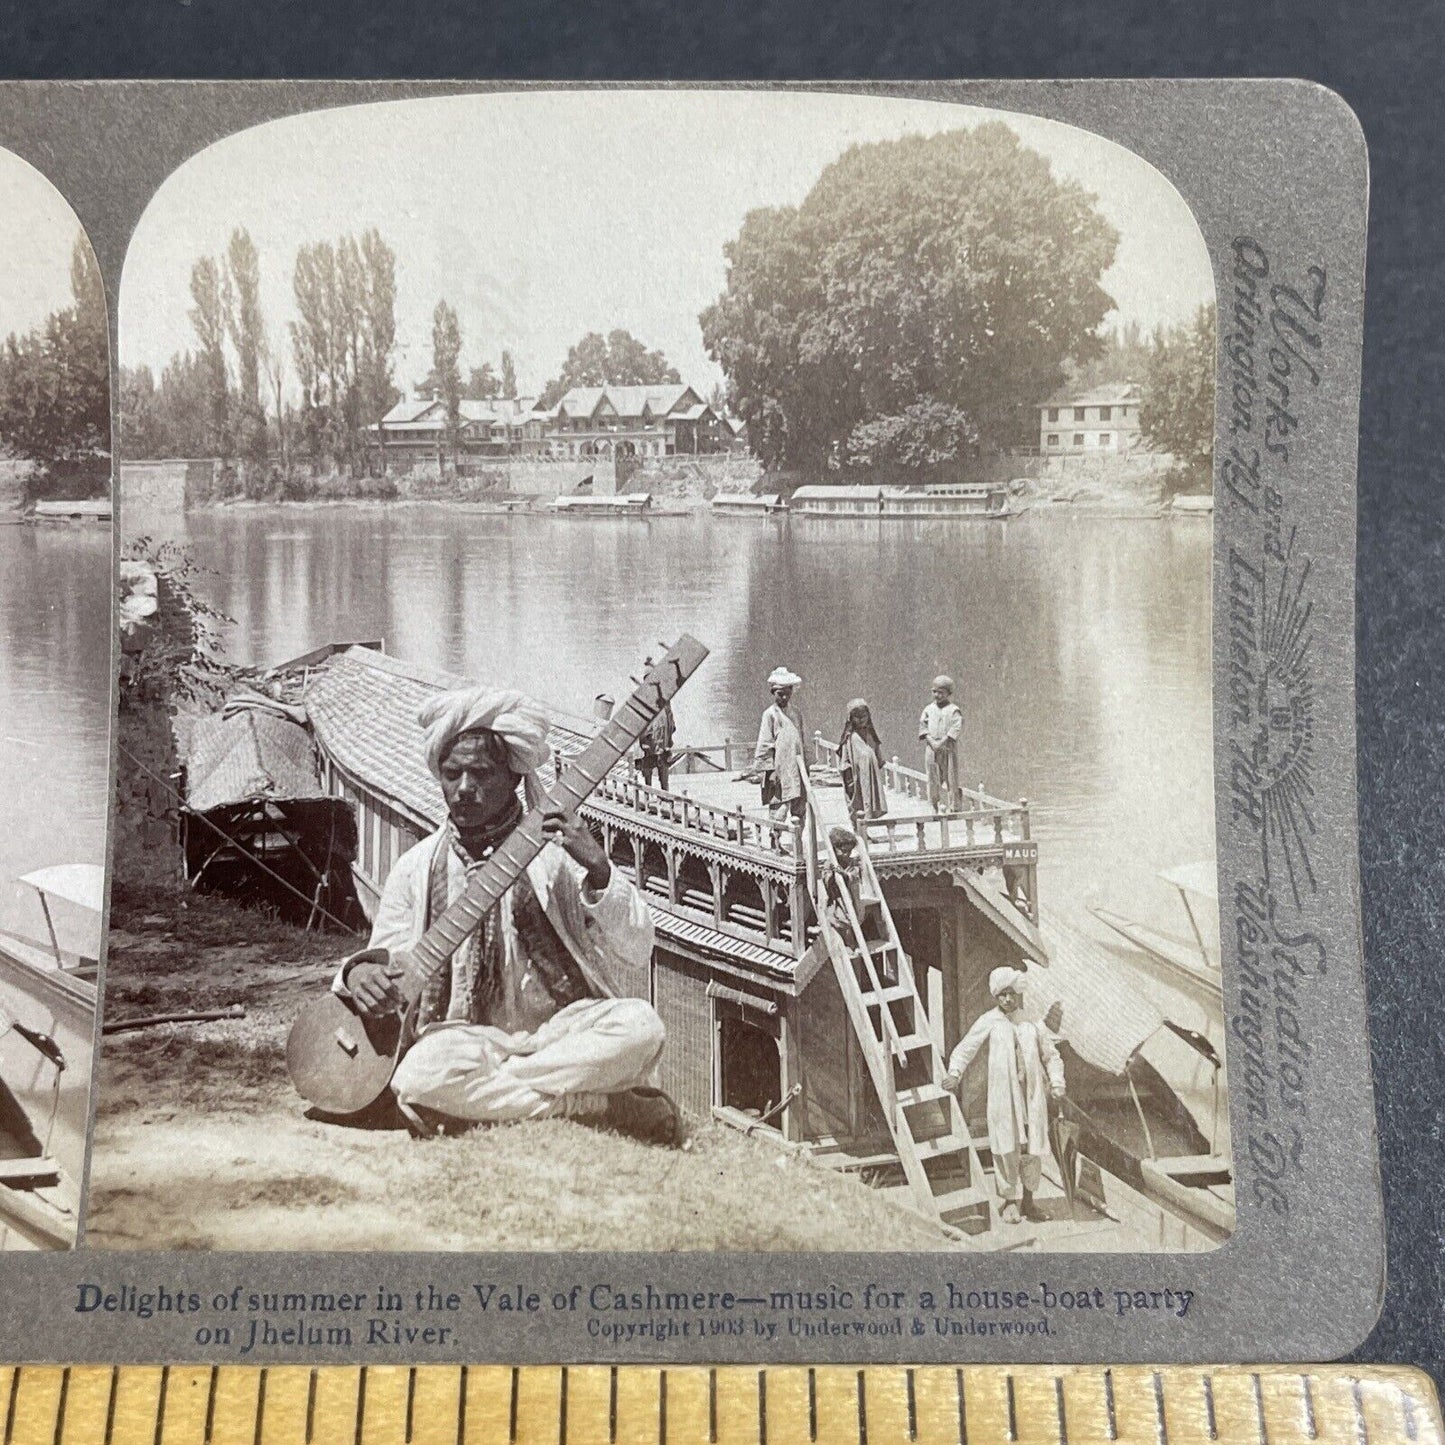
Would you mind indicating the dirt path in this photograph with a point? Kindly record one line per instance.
(200, 1144)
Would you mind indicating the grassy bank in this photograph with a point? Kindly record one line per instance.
(201, 1144)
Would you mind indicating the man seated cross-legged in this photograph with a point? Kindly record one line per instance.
(525, 1021)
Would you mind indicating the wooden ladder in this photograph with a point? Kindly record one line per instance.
(878, 984)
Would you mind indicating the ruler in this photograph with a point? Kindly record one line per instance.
(730, 1405)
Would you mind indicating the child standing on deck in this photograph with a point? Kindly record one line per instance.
(939, 728)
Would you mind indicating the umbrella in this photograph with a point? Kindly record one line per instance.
(1064, 1141)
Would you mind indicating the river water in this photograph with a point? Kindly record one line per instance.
(1080, 644)
(55, 690)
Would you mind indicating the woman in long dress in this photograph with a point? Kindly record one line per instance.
(860, 760)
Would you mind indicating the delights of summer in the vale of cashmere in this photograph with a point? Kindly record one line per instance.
(666, 701)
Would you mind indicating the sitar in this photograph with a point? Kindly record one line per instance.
(341, 1060)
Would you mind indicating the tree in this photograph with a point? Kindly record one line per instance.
(247, 330)
(919, 440)
(209, 292)
(483, 384)
(1176, 412)
(446, 346)
(55, 385)
(954, 268)
(343, 342)
(618, 359)
(509, 377)
(378, 330)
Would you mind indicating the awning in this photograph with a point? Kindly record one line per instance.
(251, 751)
(1201, 878)
(1103, 1018)
(79, 883)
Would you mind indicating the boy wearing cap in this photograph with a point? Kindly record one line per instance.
(939, 729)
(1021, 1057)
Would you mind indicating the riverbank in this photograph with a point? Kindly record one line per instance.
(199, 1142)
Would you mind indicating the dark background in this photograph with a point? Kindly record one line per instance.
(1386, 59)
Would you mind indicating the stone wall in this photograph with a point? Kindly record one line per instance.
(1110, 470)
(14, 474)
(694, 477)
(165, 486)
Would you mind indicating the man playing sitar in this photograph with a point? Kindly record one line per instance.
(525, 1020)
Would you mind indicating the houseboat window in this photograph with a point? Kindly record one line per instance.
(1053, 438)
(1106, 439)
(1105, 413)
(1053, 413)
(1079, 413)
(1078, 438)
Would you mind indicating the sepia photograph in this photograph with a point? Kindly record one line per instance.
(665, 687)
(55, 692)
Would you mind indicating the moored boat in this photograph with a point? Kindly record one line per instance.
(972, 501)
(747, 504)
(630, 504)
(47, 1029)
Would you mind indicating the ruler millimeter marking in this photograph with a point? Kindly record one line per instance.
(728, 1405)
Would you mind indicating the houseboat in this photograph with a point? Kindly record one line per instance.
(630, 504)
(747, 504)
(47, 1040)
(967, 500)
(92, 509)
(792, 1012)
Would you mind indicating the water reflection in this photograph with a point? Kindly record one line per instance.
(55, 596)
(1081, 646)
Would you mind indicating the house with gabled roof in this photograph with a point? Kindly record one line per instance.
(499, 427)
(666, 420)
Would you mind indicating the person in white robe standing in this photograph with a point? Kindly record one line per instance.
(1024, 1073)
(780, 747)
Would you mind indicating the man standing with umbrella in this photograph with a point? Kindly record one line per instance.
(1024, 1074)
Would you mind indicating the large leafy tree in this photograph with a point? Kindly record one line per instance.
(618, 359)
(55, 383)
(1176, 411)
(953, 268)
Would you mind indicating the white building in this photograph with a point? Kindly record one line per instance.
(1102, 419)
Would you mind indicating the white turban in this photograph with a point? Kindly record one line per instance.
(943, 681)
(514, 718)
(783, 677)
(1002, 978)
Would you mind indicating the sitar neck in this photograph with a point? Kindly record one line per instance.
(487, 883)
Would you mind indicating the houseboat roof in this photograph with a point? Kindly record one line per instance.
(747, 499)
(586, 502)
(839, 493)
(96, 508)
(363, 707)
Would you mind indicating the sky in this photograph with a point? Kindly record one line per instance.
(37, 232)
(541, 216)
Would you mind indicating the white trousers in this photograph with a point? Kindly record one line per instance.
(475, 1072)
